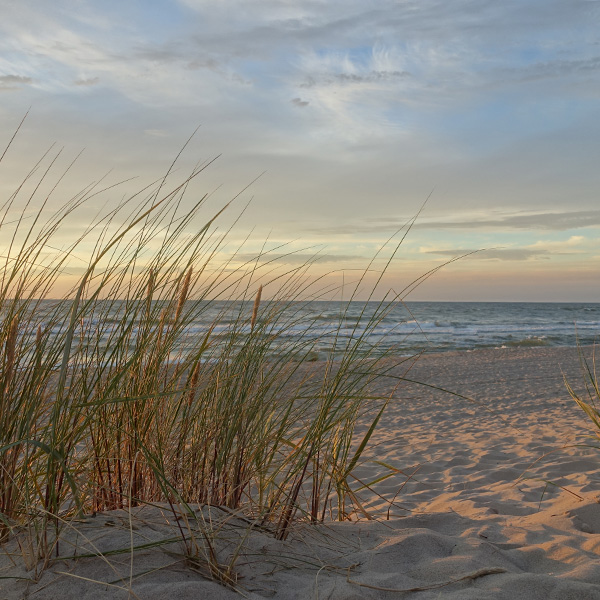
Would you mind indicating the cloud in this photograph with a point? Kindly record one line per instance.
(165, 54)
(398, 96)
(549, 221)
(203, 63)
(576, 244)
(354, 78)
(508, 254)
(299, 102)
(554, 221)
(13, 82)
(391, 55)
(299, 258)
(552, 69)
(159, 133)
(542, 249)
(87, 82)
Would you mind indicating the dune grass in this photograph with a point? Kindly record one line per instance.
(588, 400)
(106, 402)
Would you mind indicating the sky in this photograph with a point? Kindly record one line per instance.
(351, 114)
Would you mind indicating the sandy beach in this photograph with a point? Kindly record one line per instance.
(299, 300)
(491, 500)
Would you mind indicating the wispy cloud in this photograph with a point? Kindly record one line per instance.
(540, 250)
(159, 133)
(300, 258)
(555, 221)
(508, 254)
(299, 102)
(13, 82)
(353, 78)
(549, 221)
(87, 82)
(552, 69)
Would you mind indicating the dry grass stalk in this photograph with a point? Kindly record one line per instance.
(149, 294)
(255, 307)
(10, 352)
(183, 294)
(193, 384)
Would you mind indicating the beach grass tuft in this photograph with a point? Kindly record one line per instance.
(108, 402)
(588, 400)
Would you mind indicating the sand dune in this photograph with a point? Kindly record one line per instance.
(492, 501)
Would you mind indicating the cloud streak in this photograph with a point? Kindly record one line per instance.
(299, 102)
(503, 254)
(300, 258)
(13, 82)
(549, 221)
(88, 82)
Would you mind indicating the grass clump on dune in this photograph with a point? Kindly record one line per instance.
(107, 401)
(589, 402)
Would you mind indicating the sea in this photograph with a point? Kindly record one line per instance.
(407, 328)
(326, 328)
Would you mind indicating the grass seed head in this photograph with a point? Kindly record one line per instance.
(184, 293)
(255, 308)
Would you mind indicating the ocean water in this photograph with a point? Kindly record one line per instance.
(431, 326)
(473, 325)
(401, 329)
(444, 326)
